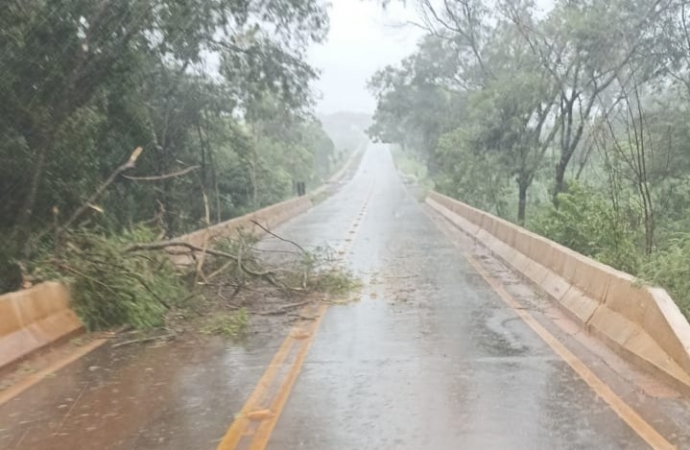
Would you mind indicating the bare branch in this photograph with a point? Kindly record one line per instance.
(193, 248)
(207, 219)
(129, 164)
(279, 237)
(162, 177)
(284, 308)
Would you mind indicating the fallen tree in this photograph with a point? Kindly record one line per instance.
(133, 278)
(127, 279)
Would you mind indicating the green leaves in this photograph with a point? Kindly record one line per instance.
(669, 268)
(84, 82)
(586, 222)
(583, 105)
(110, 287)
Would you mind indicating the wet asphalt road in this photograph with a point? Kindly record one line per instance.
(431, 357)
(428, 358)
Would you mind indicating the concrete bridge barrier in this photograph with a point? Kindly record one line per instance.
(34, 318)
(641, 323)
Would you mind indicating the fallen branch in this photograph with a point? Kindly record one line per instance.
(143, 340)
(162, 177)
(301, 317)
(166, 244)
(255, 222)
(283, 309)
(81, 274)
(237, 290)
(221, 269)
(100, 263)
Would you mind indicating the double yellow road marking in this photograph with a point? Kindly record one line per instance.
(253, 426)
(260, 413)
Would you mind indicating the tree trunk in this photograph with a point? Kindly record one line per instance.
(522, 202)
(166, 195)
(41, 145)
(214, 181)
(253, 178)
(255, 190)
(559, 187)
(202, 150)
(649, 232)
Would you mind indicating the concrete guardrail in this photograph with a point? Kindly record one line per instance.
(34, 318)
(641, 323)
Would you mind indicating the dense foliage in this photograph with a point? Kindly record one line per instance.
(214, 90)
(111, 288)
(572, 121)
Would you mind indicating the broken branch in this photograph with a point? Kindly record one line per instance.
(283, 309)
(192, 248)
(255, 222)
(145, 339)
(162, 177)
(129, 164)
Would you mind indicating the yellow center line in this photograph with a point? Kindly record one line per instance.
(300, 336)
(263, 434)
(624, 411)
(236, 430)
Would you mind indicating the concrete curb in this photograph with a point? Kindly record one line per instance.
(34, 318)
(641, 323)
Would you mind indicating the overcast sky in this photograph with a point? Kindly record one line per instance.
(362, 39)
